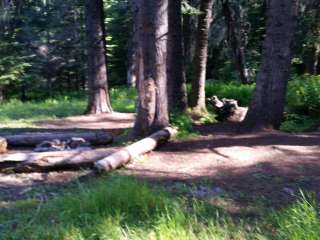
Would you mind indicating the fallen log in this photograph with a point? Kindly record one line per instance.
(123, 156)
(228, 109)
(3, 145)
(31, 139)
(47, 161)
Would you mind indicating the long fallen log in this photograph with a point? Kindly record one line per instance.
(3, 145)
(47, 161)
(31, 139)
(124, 155)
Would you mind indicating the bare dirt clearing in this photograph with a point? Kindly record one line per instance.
(271, 165)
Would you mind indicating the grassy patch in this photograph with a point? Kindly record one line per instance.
(233, 90)
(22, 114)
(117, 207)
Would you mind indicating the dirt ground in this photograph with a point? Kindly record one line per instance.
(270, 165)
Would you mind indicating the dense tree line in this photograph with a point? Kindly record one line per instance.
(52, 47)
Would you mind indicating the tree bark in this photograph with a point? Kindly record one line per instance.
(232, 15)
(123, 156)
(48, 161)
(132, 72)
(177, 89)
(198, 102)
(267, 105)
(152, 113)
(32, 139)
(99, 101)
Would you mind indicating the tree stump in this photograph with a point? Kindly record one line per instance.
(228, 109)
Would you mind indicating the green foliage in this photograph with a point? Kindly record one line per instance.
(300, 222)
(118, 24)
(118, 208)
(123, 99)
(183, 122)
(234, 90)
(304, 95)
(297, 123)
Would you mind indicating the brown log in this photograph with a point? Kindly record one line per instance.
(31, 139)
(46, 161)
(3, 145)
(123, 156)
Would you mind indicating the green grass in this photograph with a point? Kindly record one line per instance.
(303, 104)
(22, 114)
(118, 208)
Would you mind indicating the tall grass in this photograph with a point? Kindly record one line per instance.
(124, 208)
(118, 208)
(300, 222)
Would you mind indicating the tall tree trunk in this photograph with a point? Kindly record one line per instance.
(132, 69)
(189, 27)
(1, 93)
(267, 105)
(99, 101)
(316, 59)
(232, 15)
(177, 89)
(198, 102)
(152, 103)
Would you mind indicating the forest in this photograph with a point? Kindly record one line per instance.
(160, 119)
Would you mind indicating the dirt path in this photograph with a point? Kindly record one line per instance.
(113, 121)
(271, 165)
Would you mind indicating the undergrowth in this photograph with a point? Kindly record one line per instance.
(302, 108)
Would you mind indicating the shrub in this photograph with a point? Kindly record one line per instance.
(304, 95)
(297, 123)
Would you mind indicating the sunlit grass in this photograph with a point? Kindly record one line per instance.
(22, 114)
(118, 207)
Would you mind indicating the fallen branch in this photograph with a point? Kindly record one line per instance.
(123, 156)
(3, 145)
(47, 161)
(31, 139)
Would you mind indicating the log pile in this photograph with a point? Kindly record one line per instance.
(104, 159)
(228, 109)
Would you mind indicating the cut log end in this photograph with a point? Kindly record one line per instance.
(134, 150)
(3, 145)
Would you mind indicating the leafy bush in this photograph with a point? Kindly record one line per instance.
(304, 95)
(297, 123)
(183, 122)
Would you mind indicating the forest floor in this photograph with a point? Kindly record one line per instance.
(269, 166)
